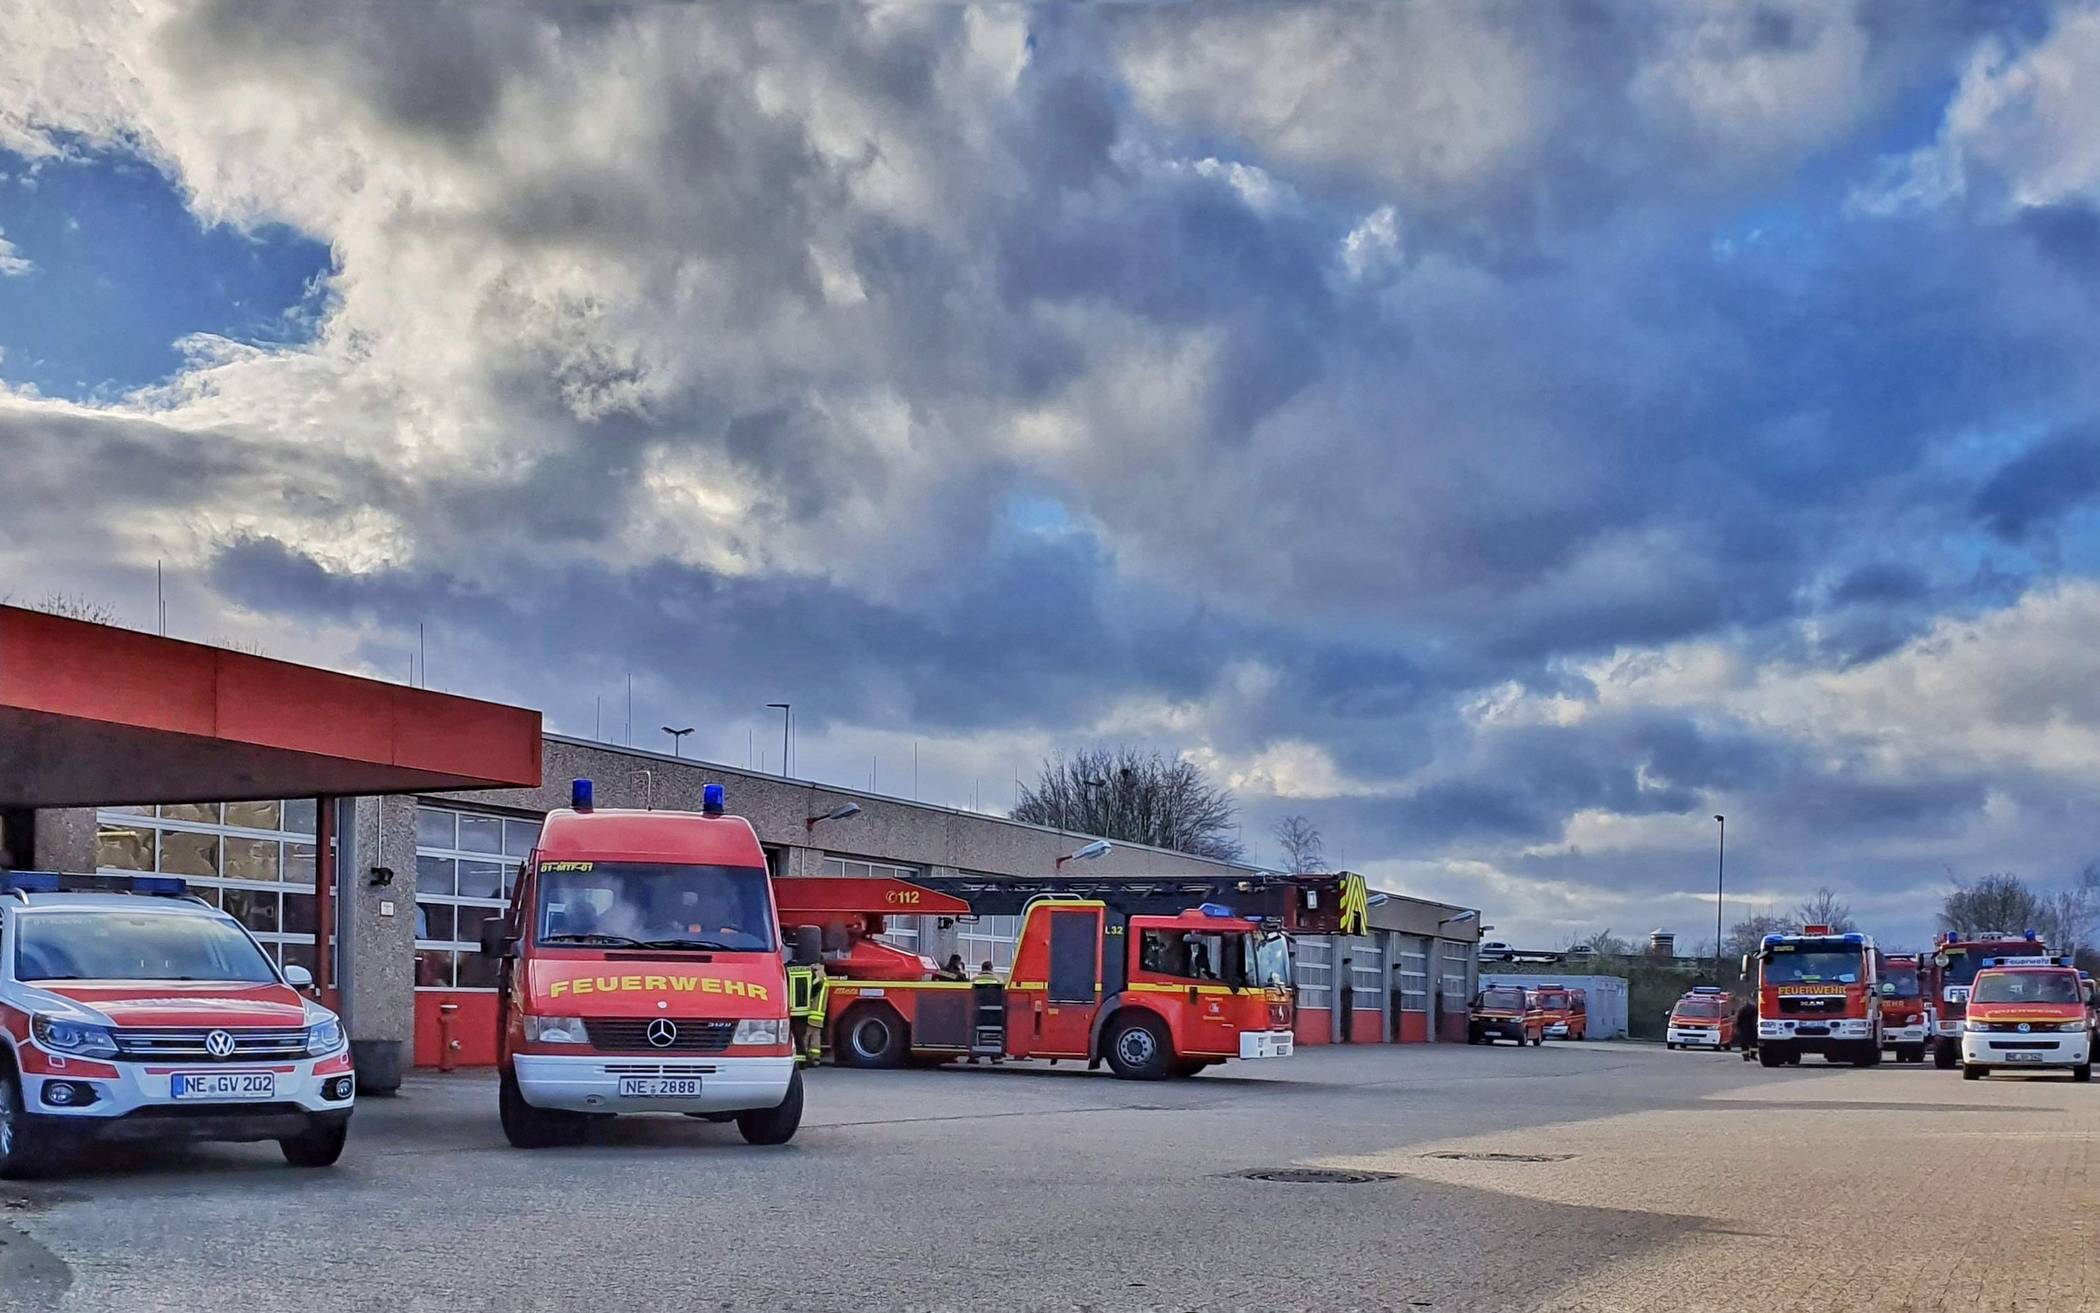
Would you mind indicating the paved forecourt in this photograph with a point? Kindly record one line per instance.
(1669, 1181)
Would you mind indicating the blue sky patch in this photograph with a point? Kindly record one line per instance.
(120, 270)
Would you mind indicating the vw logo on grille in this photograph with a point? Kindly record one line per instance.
(219, 1044)
(2024, 1028)
(661, 1033)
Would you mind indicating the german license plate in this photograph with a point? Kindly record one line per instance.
(659, 1087)
(223, 1085)
(2023, 1057)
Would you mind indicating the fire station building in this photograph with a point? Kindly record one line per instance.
(366, 830)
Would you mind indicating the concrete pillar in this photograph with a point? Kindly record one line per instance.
(64, 839)
(382, 943)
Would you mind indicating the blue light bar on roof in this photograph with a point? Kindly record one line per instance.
(1215, 909)
(714, 799)
(580, 795)
(1855, 938)
(51, 882)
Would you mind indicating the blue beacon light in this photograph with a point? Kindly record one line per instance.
(714, 799)
(580, 795)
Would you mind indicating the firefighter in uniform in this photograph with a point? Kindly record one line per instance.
(808, 988)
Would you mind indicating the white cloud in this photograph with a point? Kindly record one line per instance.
(12, 261)
(2020, 130)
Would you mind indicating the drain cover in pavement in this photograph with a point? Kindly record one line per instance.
(1315, 1176)
(1502, 1157)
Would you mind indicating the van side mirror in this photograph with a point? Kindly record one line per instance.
(808, 946)
(298, 977)
(494, 943)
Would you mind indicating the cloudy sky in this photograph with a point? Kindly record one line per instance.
(1507, 434)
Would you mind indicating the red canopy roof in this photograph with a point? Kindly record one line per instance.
(91, 714)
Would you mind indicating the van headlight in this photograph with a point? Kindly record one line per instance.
(753, 1031)
(324, 1039)
(73, 1037)
(2072, 1027)
(555, 1030)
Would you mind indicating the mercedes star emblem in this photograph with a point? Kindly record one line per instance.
(219, 1044)
(662, 1033)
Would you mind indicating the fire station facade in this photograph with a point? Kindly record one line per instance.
(370, 829)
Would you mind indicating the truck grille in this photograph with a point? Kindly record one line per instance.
(1811, 1006)
(190, 1044)
(632, 1035)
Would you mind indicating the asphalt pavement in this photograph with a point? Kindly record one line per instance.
(1570, 1177)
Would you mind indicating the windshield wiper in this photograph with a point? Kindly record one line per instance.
(592, 937)
(707, 944)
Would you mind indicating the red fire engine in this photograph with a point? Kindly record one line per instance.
(1906, 1009)
(1154, 975)
(1957, 958)
(1817, 993)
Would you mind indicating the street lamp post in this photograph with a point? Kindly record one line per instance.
(677, 737)
(838, 813)
(1097, 848)
(787, 714)
(1720, 875)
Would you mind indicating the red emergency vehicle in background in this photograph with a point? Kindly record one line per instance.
(1153, 975)
(1567, 1011)
(1506, 1012)
(1906, 1008)
(1704, 1019)
(1817, 993)
(1957, 958)
(642, 972)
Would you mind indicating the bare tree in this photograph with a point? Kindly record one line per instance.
(1824, 907)
(1300, 841)
(1746, 935)
(2000, 901)
(1137, 796)
(75, 607)
(2067, 917)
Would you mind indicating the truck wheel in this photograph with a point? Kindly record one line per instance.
(1970, 1071)
(1911, 1053)
(1769, 1055)
(1138, 1048)
(527, 1127)
(1672, 1046)
(319, 1147)
(775, 1125)
(871, 1035)
(2082, 1072)
(1943, 1056)
(24, 1154)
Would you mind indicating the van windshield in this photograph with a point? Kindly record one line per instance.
(1502, 1000)
(1707, 1008)
(653, 905)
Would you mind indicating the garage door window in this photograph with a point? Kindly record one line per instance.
(254, 859)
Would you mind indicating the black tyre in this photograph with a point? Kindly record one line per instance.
(1537, 1040)
(1970, 1071)
(1770, 1057)
(775, 1125)
(1672, 1047)
(1137, 1047)
(319, 1147)
(527, 1127)
(1943, 1056)
(1911, 1053)
(2082, 1073)
(25, 1149)
(871, 1035)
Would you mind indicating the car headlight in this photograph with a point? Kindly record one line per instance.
(325, 1038)
(2071, 1027)
(753, 1031)
(73, 1037)
(555, 1030)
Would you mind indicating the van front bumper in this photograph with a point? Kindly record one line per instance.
(592, 1082)
(83, 1101)
(2013, 1051)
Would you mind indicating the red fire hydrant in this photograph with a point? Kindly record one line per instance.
(447, 1046)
